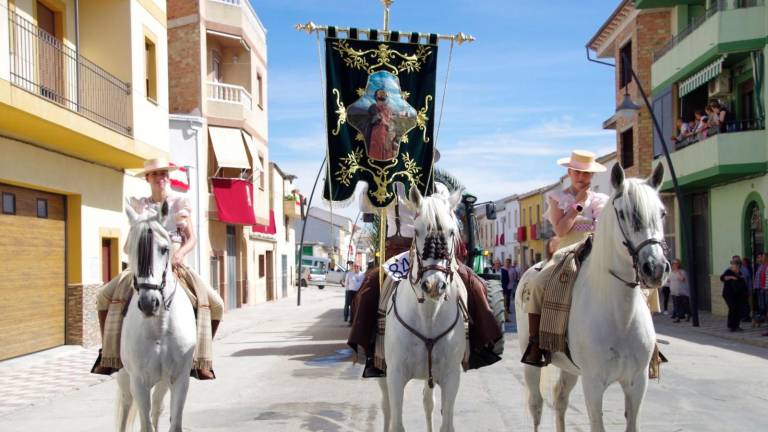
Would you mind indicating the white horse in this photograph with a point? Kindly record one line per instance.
(425, 333)
(610, 331)
(158, 336)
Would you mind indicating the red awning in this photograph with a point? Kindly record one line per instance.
(266, 229)
(234, 200)
(521, 234)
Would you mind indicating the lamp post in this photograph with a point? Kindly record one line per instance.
(627, 109)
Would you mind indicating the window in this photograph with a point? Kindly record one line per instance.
(530, 215)
(150, 64)
(286, 228)
(522, 218)
(9, 203)
(627, 148)
(625, 59)
(42, 208)
(216, 68)
(263, 173)
(538, 213)
(260, 83)
(262, 266)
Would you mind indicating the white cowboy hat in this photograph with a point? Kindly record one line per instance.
(582, 160)
(156, 164)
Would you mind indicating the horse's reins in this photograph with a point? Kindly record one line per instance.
(154, 287)
(429, 343)
(634, 251)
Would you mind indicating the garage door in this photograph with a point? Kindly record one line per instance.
(32, 263)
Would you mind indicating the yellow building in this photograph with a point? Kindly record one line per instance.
(533, 231)
(83, 97)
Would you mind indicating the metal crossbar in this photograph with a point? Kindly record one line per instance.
(42, 64)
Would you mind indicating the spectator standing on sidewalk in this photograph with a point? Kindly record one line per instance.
(746, 271)
(734, 293)
(352, 281)
(680, 290)
(510, 275)
(665, 293)
(760, 287)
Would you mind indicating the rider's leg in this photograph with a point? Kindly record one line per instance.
(103, 300)
(484, 330)
(217, 312)
(534, 355)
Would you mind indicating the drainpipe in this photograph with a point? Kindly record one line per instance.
(77, 52)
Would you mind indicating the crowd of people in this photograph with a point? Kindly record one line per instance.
(714, 118)
(745, 291)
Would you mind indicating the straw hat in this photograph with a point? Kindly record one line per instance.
(156, 164)
(582, 160)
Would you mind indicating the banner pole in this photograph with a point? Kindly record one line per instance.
(387, 4)
(382, 245)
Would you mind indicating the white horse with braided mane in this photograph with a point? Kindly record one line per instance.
(610, 331)
(158, 336)
(424, 336)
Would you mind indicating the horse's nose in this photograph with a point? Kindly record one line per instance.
(654, 270)
(148, 305)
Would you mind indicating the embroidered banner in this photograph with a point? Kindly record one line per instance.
(380, 99)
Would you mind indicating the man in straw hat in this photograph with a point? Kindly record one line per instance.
(573, 213)
(116, 294)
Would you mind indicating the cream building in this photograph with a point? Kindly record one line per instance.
(83, 98)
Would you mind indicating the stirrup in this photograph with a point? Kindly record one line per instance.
(194, 373)
(539, 362)
(371, 371)
(98, 369)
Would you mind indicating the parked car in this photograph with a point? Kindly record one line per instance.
(313, 276)
(336, 275)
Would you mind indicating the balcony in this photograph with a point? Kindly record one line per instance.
(291, 208)
(720, 158)
(44, 66)
(726, 26)
(230, 94)
(236, 14)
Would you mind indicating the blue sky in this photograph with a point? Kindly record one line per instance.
(518, 98)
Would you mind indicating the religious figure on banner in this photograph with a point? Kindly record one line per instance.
(382, 116)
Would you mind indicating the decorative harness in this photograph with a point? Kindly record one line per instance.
(634, 251)
(435, 247)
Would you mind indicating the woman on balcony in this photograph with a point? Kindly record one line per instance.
(117, 292)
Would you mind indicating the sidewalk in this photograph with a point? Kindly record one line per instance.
(714, 325)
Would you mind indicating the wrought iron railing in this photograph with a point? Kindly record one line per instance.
(41, 64)
(229, 93)
(727, 127)
(716, 6)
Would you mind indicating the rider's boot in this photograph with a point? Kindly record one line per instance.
(371, 371)
(97, 367)
(204, 373)
(534, 355)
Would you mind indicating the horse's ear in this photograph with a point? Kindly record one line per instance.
(130, 212)
(455, 198)
(414, 198)
(617, 177)
(656, 177)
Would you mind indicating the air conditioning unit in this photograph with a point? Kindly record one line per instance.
(720, 86)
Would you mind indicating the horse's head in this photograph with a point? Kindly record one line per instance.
(637, 213)
(435, 233)
(149, 257)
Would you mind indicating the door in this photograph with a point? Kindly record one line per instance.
(106, 260)
(50, 57)
(32, 262)
(284, 273)
(231, 268)
(270, 276)
(700, 228)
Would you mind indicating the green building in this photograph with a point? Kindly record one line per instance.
(717, 53)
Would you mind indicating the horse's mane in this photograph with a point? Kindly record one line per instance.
(642, 209)
(437, 214)
(139, 245)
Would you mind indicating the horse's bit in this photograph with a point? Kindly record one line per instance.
(154, 287)
(634, 251)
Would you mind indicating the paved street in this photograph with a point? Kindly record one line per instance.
(283, 368)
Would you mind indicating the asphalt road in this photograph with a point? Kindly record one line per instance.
(286, 368)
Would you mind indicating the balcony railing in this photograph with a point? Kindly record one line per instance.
(716, 6)
(727, 127)
(229, 93)
(41, 64)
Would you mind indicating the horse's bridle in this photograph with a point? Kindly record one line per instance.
(435, 247)
(634, 251)
(154, 287)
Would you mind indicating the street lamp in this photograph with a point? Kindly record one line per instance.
(626, 110)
